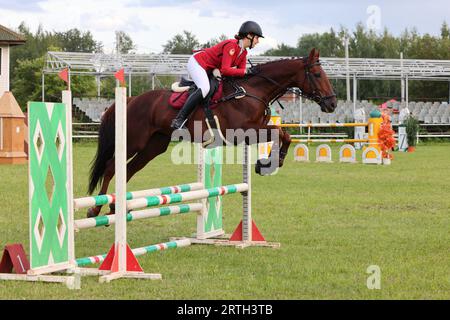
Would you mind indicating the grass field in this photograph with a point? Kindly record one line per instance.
(333, 222)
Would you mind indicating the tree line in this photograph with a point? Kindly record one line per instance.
(365, 43)
(27, 61)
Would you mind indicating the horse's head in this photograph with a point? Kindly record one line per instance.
(315, 84)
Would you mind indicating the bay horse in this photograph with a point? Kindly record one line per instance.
(149, 116)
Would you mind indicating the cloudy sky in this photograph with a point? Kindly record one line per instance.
(151, 23)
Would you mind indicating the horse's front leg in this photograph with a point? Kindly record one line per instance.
(281, 141)
(285, 142)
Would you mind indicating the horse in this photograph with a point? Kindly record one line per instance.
(149, 116)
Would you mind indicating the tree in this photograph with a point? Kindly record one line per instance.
(36, 45)
(28, 85)
(362, 43)
(282, 50)
(331, 45)
(212, 42)
(445, 31)
(184, 43)
(124, 43)
(74, 40)
(28, 60)
(307, 42)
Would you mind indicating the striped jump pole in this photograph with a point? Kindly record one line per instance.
(137, 215)
(186, 196)
(81, 262)
(329, 140)
(104, 199)
(323, 125)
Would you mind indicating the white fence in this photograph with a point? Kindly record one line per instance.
(79, 130)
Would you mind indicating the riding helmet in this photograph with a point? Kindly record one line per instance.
(250, 27)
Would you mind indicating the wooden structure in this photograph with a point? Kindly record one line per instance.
(12, 131)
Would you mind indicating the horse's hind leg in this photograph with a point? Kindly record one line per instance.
(109, 174)
(156, 145)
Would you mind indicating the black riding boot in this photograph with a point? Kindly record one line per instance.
(194, 99)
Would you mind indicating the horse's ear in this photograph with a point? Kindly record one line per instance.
(312, 55)
(317, 53)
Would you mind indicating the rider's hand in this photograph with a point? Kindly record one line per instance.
(251, 71)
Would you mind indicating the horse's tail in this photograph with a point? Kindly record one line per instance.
(105, 149)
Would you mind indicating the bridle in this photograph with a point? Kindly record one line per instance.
(309, 77)
(315, 95)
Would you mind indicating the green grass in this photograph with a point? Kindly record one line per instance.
(333, 221)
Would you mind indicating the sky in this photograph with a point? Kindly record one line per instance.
(151, 23)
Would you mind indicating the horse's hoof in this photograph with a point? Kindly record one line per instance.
(264, 168)
(269, 171)
(257, 168)
(260, 165)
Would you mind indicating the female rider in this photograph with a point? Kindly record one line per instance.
(229, 56)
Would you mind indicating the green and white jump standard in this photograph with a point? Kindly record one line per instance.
(51, 213)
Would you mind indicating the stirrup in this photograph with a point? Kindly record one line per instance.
(175, 124)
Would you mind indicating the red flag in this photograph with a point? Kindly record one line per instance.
(120, 75)
(64, 75)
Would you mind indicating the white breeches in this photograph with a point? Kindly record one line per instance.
(198, 75)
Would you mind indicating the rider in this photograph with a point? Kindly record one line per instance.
(229, 56)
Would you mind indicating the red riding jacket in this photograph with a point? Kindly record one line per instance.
(224, 56)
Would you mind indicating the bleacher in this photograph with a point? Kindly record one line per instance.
(426, 112)
(431, 113)
(93, 108)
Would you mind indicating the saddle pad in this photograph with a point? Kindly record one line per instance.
(178, 99)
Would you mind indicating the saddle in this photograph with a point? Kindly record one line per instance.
(182, 89)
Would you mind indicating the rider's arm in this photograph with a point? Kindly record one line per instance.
(229, 52)
(243, 63)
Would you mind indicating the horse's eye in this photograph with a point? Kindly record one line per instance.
(317, 74)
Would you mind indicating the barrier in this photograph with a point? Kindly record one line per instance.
(371, 155)
(301, 153)
(52, 222)
(347, 154)
(323, 153)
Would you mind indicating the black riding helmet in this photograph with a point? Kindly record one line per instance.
(250, 27)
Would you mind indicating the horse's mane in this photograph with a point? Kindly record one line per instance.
(264, 65)
(279, 60)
